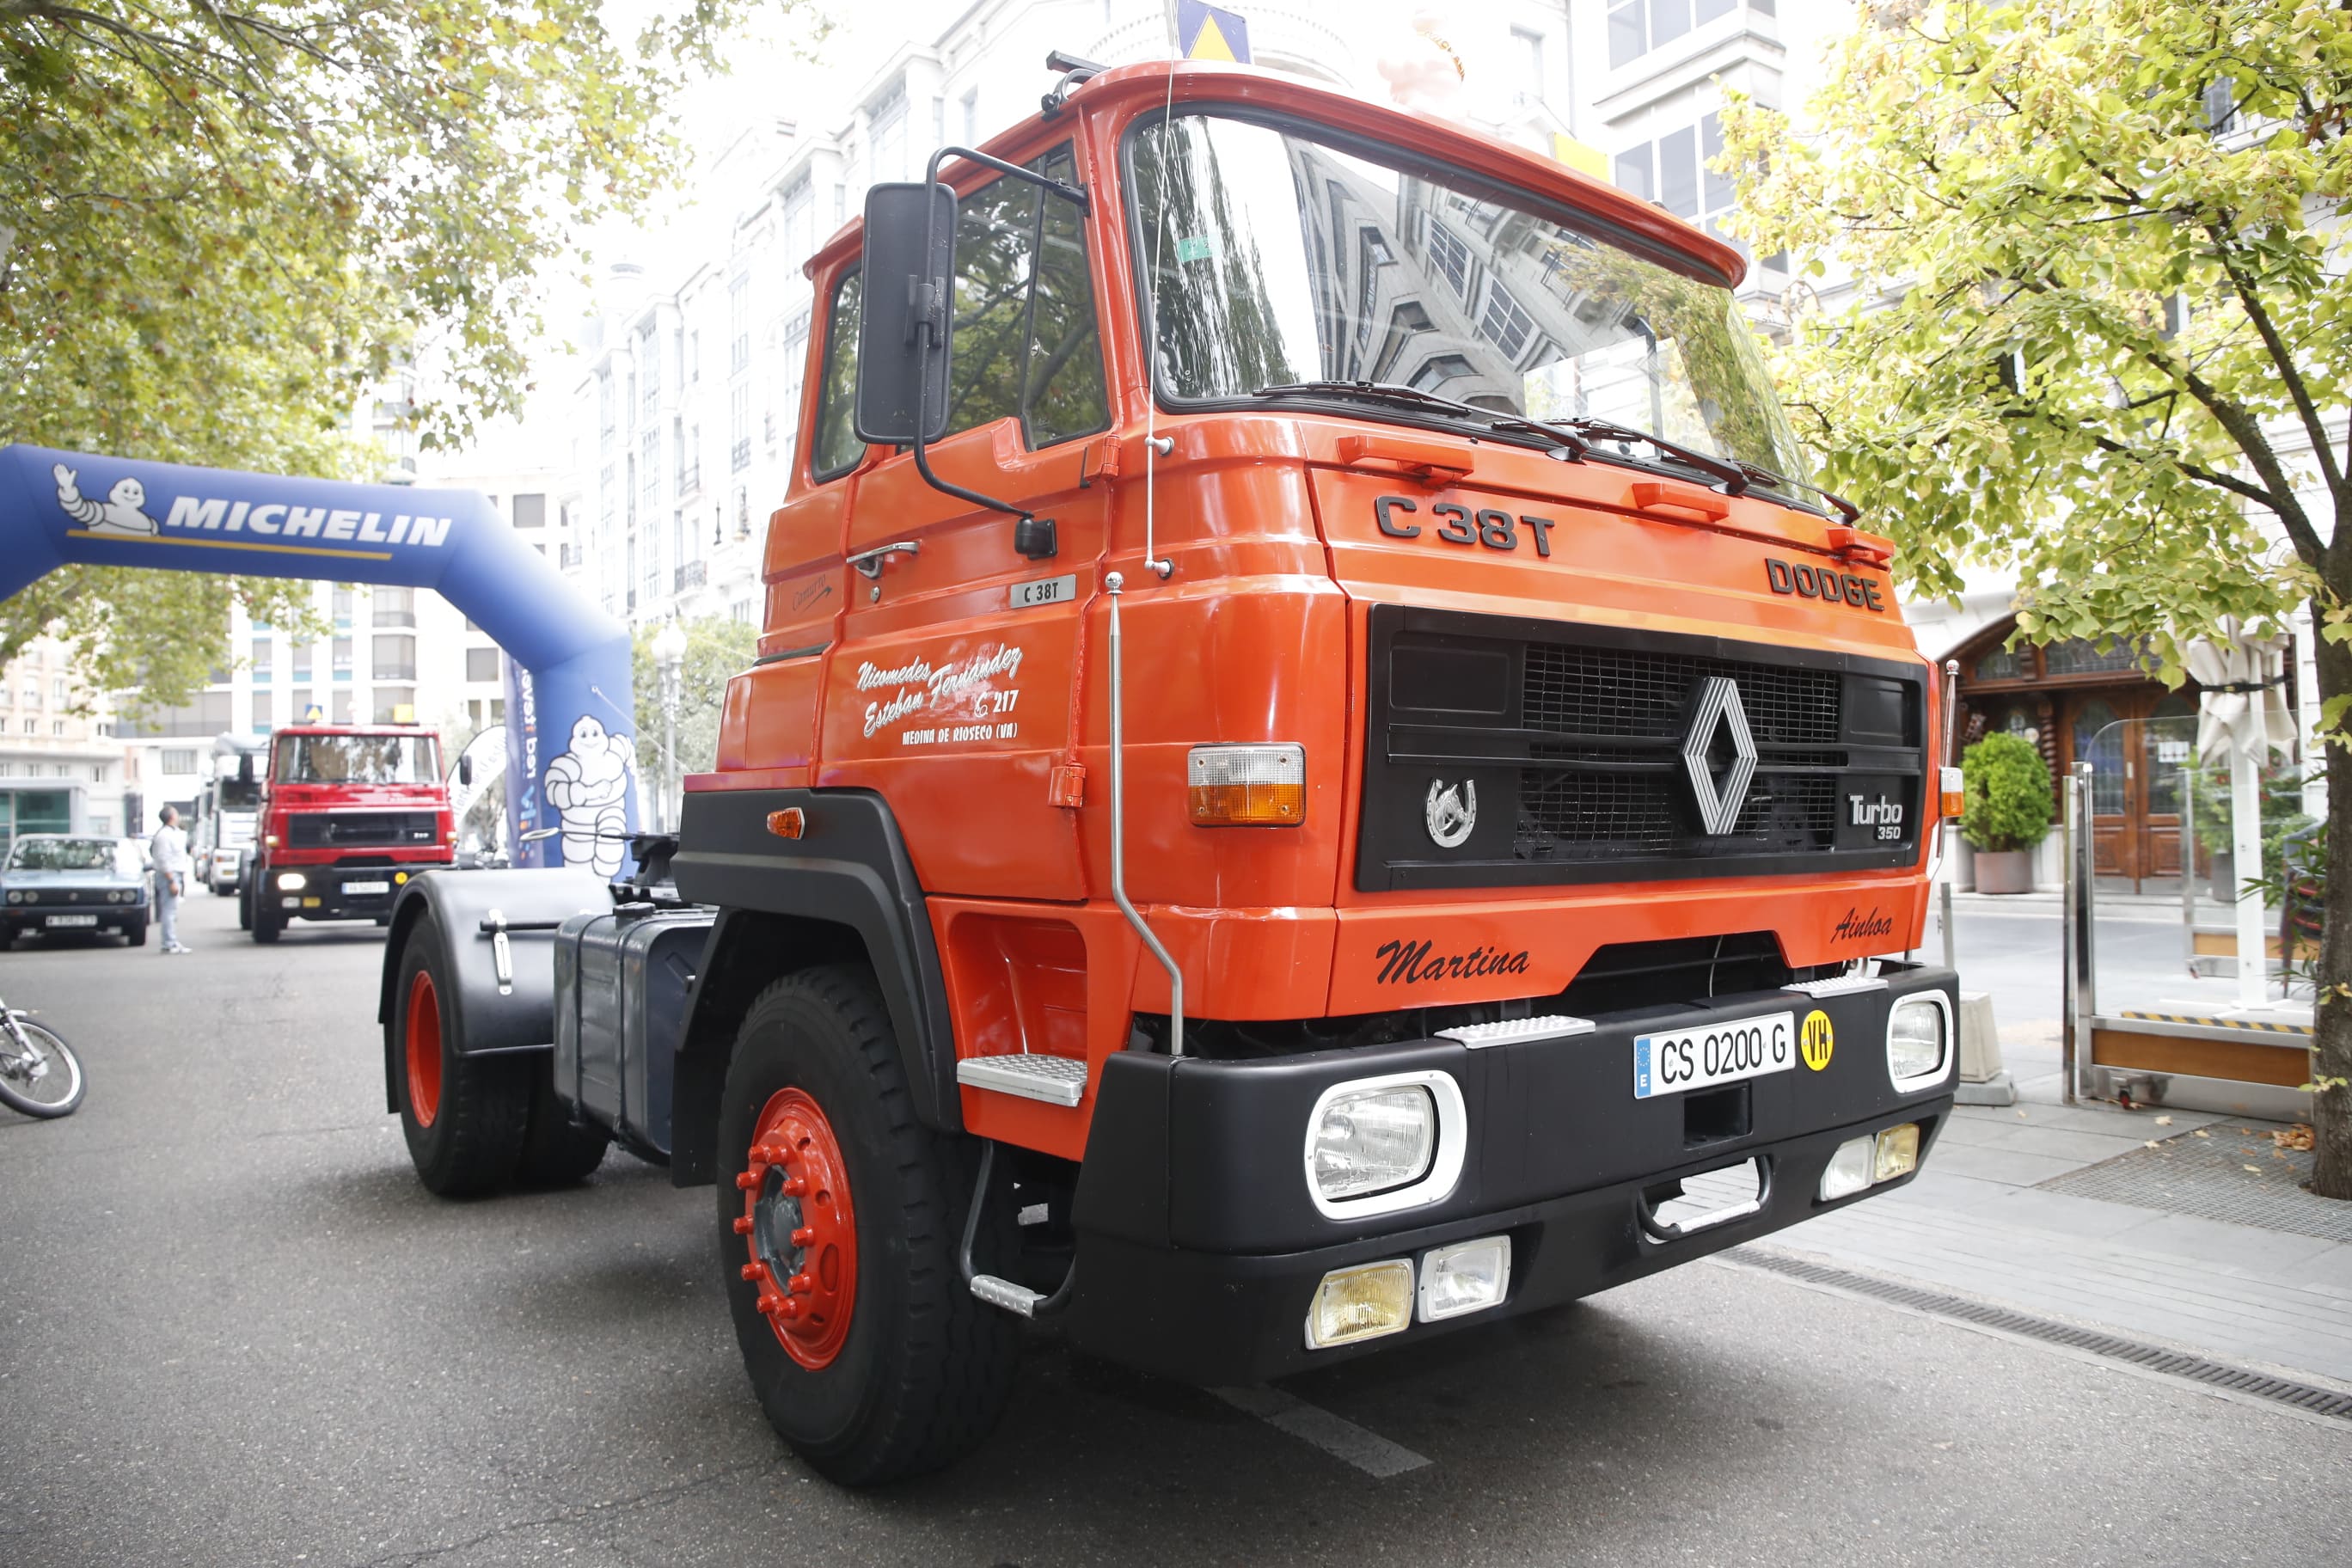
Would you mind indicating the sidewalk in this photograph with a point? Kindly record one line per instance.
(1991, 1217)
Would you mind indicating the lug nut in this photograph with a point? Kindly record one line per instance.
(788, 1308)
(768, 1304)
(803, 1236)
(746, 1180)
(801, 1285)
(743, 1224)
(753, 1270)
(795, 1187)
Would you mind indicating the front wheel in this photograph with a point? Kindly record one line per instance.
(39, 1074)
(266, 922)
(839, 1240)
(135, 934)
(245, 906)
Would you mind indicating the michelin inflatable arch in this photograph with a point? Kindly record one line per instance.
(571, 758)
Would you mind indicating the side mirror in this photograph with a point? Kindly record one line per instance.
(465, 771)
(905, 320)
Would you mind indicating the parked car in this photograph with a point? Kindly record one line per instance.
(57, 882)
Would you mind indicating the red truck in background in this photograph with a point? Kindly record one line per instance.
(350, 813)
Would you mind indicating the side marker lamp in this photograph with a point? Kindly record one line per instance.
(1954, 794)
(1361, 1304)
(1246, 786)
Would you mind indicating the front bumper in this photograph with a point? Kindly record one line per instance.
(1200, 1249)
(33, 919)
(338, 893)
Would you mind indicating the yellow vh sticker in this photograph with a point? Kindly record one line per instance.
(1817, 1039)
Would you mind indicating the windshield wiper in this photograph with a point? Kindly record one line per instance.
(1759, 474)
(1397, 396)
(1734, 476)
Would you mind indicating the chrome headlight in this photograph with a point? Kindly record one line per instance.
(1379, 1144)
(1918, 1041)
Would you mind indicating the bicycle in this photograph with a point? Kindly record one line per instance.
(39, 1074)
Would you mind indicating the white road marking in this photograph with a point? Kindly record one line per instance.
(1336, 1435)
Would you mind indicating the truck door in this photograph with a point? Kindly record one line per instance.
(951, 689)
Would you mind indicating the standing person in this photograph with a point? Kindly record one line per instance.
(169, 851)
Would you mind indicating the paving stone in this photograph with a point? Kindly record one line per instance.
(2243, 1247)
(2065, 1143)
(2014, 1166)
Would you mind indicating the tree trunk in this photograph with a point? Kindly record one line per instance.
(2332, 1023)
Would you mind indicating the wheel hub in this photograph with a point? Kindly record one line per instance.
(800, 1231)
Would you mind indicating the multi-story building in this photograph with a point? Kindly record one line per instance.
(61, 770)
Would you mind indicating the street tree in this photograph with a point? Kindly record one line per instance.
(717, 647)
(2102, 331)
(220, 225)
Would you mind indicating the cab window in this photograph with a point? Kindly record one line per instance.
(837, 448)
(1026, 343)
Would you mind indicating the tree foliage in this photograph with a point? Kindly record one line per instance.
(716, 650)
(2101, 329)
(221, 224)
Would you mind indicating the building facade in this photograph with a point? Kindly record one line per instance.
(61, 768)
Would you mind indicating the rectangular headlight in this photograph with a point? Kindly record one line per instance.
(289, 880)
(1898, 1153)
(1371, 1140)
(1361, 1304)
(1849, 1169)
(1246, 786)
(1918, 1040)
(1467, 1276)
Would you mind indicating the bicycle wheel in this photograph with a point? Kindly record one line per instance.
(44, 1079)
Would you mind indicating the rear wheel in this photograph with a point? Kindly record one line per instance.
(556, 1150)
(838, 1242)
(462, 1116)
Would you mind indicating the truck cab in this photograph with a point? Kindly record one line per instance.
(349, 815)
(1316, 776)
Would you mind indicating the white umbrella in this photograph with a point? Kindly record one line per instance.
(2243, 715)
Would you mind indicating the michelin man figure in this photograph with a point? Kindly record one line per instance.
(122, 512)
(590, 785)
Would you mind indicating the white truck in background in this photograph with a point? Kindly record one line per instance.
(228, 805)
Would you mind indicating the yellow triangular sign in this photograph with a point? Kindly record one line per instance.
(1209, 44)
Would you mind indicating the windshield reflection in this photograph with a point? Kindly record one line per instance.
(1278, 258)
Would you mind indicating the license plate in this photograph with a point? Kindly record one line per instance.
(367, 887)
(1674, 1061)
(71, 921)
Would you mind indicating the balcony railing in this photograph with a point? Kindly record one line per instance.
(690, 576)
(742, 455)
(395, 672)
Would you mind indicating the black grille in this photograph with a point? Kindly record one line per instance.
(1624, 692)
(1569, 739)
(343, 829)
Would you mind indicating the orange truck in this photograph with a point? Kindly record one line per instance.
(1315, 777)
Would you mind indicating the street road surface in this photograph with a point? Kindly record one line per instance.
(241, 1333)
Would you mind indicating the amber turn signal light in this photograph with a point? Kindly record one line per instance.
(789, 823)
(1954, 792)
(1246, 786)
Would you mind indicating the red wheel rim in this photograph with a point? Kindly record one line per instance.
(423, 1049)
(799, 1229)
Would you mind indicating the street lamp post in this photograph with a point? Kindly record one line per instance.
(669, 653)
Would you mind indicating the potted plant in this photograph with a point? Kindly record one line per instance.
(2008, 810)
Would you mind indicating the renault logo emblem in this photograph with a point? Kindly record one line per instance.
(1450, 812)
(1718, 739)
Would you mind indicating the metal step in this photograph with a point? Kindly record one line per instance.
(1018, 1300)
(1057, 1080)
(1836, 985)
(1510, 1031)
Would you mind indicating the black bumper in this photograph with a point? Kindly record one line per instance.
(1200, 1248)
(329, 893)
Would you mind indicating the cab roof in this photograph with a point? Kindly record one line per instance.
(1152, 83)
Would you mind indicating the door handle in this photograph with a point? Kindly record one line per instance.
(869, 562)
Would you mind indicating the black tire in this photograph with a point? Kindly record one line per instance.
(7, 940)
(245, 906)
(464, 1123)
(925, 1370)
(60, 1085)
(135, 933)
(556, 1152)
(267, 922)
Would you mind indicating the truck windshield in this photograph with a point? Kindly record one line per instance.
(1280, 259)
(240, 794)
(358, 759)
